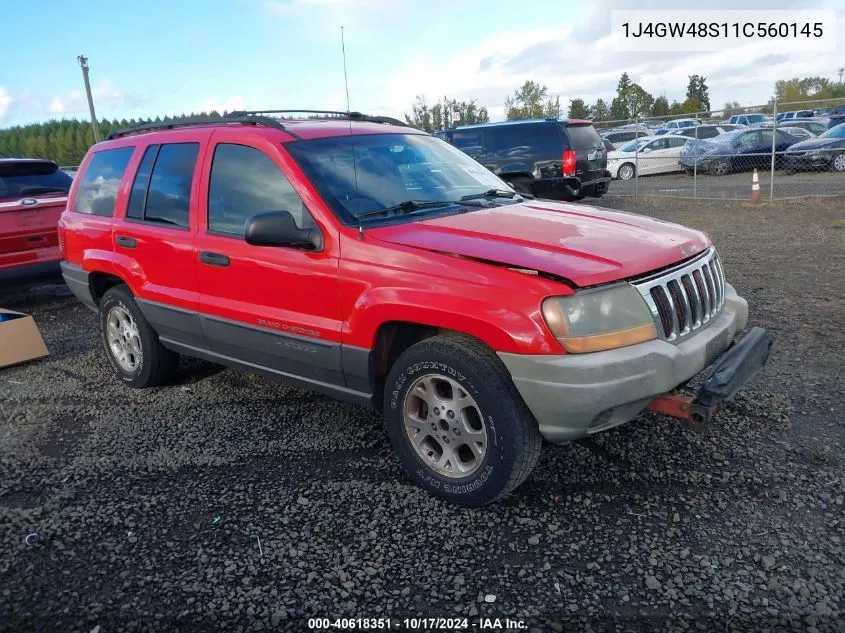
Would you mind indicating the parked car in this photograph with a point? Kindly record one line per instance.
(372, 262)
(748, 119)
(618, 138)
(676, 125)
(562, 160)
(836, 116)
(705, 131)
(742, 149)
(794, 114)
(816, 125)
(799, 133)
(33, 194)
(823, 152)
(646, 156)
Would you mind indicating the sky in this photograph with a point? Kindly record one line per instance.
(160, 57)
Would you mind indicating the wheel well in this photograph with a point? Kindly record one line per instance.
(100, 282)
(393, 338)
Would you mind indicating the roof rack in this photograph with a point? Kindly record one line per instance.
(352, 115)
(243, 118)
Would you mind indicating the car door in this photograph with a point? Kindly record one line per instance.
(672, 153)
(470, 142)
(652, 156)
(745, 150)
(154, 241)
(275, 308)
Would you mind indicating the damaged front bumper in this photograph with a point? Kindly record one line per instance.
(574, 395)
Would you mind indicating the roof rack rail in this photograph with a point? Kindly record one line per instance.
(233, 117)
(352, 115)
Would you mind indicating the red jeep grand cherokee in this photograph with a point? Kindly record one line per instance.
(33, 194)
(375, 263)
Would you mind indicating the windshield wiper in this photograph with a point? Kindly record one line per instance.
(33, 191)
(498, 193)
(409, 206)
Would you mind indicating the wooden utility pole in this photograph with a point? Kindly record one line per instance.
(83, 62)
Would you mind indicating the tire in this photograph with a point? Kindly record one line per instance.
(132, 346)
(522, 185)
(626, 171)
(837, 163)
(689, 172)
(720, 168)
(453, 366)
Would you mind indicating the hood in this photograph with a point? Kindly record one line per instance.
(813, 143)
(618, 154)
(586, 245)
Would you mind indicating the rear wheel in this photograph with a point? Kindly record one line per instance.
(626, 171)
(837, 163)
(720, 168)
(132, 346)
(457, 423)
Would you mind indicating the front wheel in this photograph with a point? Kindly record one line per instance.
(457, 423)
(837, 163)
(132, 346)
(626, 171)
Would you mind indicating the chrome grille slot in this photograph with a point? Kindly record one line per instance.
(685, 298)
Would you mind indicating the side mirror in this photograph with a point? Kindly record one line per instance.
(646, 150)
(278, 228)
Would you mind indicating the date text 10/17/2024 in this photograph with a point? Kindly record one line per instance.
(417, 624)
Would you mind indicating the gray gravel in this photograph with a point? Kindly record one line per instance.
(229, 502)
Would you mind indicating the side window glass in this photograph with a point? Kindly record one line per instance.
(138, 195)
(98, 189)
(245, 181)
(169, 193)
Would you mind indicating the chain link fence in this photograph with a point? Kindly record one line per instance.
(796, 149)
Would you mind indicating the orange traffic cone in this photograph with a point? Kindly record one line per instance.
(755, 188)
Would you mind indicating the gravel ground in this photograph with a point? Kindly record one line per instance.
(229, 502)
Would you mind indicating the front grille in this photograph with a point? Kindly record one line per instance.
(685, 299)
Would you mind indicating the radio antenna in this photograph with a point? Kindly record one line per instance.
(349, 115)
(345, 80)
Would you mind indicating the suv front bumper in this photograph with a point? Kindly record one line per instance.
(574, 395)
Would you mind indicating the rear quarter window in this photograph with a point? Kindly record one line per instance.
(21, 179)
(99, 184)
(583, 137)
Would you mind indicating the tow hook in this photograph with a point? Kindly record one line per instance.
(684, 406)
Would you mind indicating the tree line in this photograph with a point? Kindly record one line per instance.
(66, 141)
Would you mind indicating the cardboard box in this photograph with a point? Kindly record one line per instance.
(20, 339)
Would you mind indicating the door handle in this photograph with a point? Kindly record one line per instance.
(127, 242)
(214, 259)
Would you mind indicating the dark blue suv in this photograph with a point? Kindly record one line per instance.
(549, 158)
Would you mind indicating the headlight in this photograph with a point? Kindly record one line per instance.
(596, 320)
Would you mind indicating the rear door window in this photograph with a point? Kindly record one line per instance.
(97, 190)
(526, 138)
(21, 179)
(583, 137)
(161, 193)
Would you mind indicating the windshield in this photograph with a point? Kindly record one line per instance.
(835, 132)
(32, 178)
(363, 173)
(633, 145)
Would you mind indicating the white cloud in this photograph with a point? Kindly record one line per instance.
(577, 61)
(233, 102)
(5, 102)
(105, 94)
